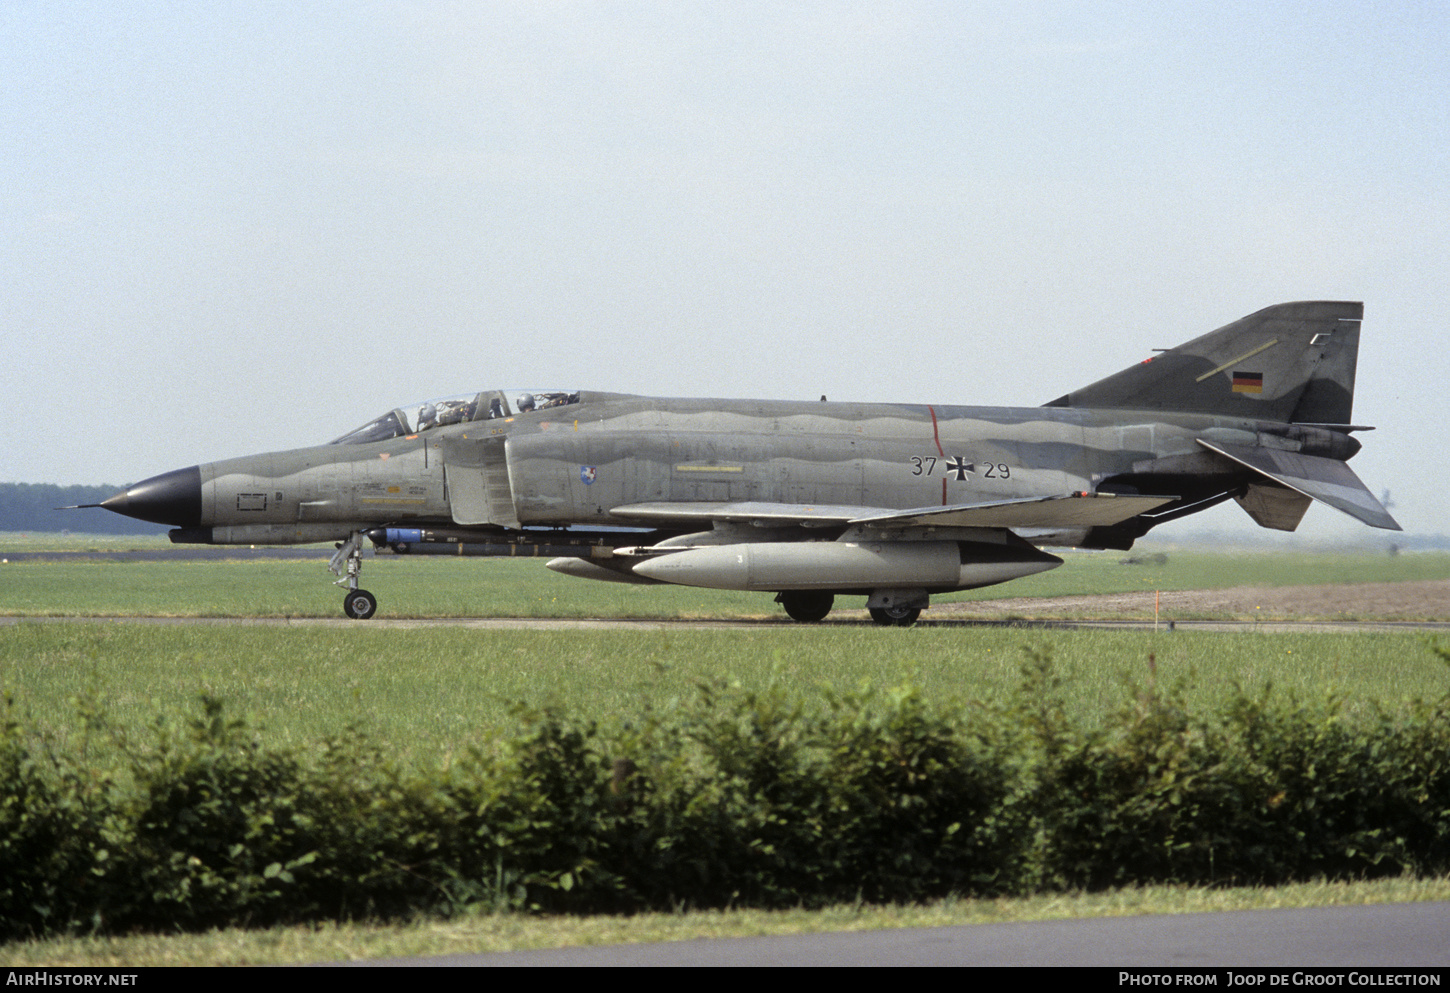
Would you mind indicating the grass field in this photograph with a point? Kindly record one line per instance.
(432, 688)
(450, 587)
(75, 541)
(425, 693)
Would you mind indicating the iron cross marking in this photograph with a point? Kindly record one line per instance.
(961, 467)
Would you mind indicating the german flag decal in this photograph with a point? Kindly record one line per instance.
(1248, 382)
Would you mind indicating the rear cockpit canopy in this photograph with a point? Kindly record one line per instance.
(416, 418)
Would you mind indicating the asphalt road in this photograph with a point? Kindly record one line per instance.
(1394, 936)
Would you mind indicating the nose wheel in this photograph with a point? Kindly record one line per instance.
(347, 563)
(359, 604)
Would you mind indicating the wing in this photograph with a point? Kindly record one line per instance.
(1072, 510)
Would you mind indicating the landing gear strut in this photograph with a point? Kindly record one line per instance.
(347, 564)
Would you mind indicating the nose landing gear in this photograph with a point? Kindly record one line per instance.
(347, 564)
(359, 604)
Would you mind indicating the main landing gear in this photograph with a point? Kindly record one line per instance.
(889, 608)
(347, 564)
(806, 606)
(902, 617)
(897, 607)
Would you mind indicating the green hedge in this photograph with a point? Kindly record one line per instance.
(734, 798)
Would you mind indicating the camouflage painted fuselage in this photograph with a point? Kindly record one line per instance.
(587, 463)
(805, 498)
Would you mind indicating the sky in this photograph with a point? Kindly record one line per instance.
(238, 227)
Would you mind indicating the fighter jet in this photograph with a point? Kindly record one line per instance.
(812, 500)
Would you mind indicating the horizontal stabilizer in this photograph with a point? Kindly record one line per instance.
(1327, 480)
(1066, 511)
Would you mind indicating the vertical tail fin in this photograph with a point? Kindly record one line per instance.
(1290, 362)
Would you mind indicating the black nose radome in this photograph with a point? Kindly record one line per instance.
(171, 498)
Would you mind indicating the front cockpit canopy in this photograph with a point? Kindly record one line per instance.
(401, 422)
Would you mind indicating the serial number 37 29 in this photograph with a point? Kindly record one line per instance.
(926, 465)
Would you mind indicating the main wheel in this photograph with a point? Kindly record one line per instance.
(807, 606)
(902, 617)
(359, 604)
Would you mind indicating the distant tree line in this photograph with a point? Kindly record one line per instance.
(32, 507)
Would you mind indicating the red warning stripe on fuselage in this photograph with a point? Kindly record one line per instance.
(936, 437)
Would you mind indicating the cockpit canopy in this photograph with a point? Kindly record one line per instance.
(419, 417)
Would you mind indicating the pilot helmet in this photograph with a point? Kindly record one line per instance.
(526, 402)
